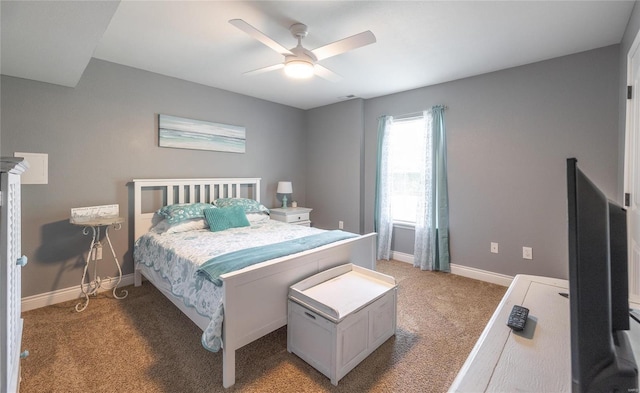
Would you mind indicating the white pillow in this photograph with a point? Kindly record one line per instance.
(255, 218)
(184, 226)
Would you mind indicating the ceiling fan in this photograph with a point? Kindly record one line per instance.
(300, 62)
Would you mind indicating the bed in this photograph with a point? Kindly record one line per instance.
(254, 298)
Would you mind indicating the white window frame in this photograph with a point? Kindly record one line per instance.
(398, 223)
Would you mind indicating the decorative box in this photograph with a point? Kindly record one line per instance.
(338, 317)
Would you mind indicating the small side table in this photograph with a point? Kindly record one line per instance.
(292, 215)
(95, 250)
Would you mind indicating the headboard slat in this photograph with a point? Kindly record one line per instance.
(203, 190)
(170, 200)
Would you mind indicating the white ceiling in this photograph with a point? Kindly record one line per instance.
(419, 43)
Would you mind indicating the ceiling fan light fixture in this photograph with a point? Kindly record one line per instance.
(299, 69)
(302, 63)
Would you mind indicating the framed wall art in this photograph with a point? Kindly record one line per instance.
(181, 133)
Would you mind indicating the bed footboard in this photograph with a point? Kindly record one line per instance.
(255, 298)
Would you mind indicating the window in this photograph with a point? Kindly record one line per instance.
(411, 185)
(407, 142)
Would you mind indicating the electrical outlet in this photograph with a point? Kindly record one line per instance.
(340, 224)
(494, 247)
(527, 253)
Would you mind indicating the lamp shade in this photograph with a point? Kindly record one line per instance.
(284, 187)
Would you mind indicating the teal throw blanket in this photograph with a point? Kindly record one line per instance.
(236, 260)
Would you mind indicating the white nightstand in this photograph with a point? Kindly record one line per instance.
(292, 215)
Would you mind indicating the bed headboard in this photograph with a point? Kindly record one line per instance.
(172, 191)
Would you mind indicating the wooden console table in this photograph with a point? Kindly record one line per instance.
(538, 359)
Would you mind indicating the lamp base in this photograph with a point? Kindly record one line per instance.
(284, 201)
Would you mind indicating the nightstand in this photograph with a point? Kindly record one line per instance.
(292, 215)
(95, 254)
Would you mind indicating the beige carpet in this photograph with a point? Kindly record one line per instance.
(144, 344)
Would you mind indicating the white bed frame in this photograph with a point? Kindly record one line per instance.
(255, 298)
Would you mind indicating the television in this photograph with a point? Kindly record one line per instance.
(601, 357)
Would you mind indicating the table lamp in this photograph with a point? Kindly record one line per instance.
(284, 187)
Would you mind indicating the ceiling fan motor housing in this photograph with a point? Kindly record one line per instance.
(300, 54)
(300, 64)
(299, 30)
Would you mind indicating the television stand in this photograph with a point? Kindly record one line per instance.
(535, 359)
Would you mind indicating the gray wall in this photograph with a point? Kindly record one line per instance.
(509, 134)
(334, 161)
(103, 133)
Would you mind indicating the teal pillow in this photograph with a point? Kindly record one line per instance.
(249, 205)
(183, 211)
(223, 218)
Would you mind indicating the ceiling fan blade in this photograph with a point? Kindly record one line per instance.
(260, 36)
(265, 69)
(325, 73)
(344, 45)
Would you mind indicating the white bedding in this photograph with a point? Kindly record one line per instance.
(177, 257)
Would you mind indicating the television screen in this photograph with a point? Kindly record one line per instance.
(601, 358)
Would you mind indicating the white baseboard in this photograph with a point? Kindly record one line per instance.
(402, 257)
(482, 275)
(66, 294)
(464, 271)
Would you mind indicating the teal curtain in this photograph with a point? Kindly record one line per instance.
(431, 251)
(443, 259)
(439, 153)
(382, 222)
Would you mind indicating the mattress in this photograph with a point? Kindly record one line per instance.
(176, 257)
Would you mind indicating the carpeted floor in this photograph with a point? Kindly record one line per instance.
(144, 344)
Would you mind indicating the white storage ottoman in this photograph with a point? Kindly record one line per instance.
(338, 317)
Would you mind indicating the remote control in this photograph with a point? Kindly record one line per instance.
(518, 318)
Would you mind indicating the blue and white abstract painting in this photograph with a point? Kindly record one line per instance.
(184, 133)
